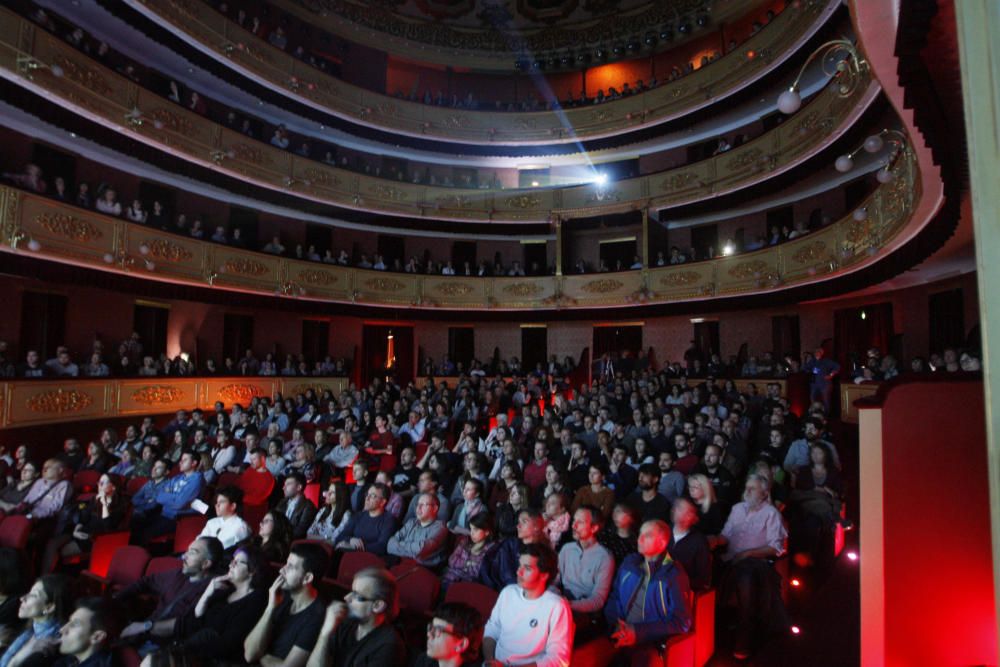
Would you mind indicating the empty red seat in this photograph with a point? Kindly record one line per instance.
(418, 588)
(163, 564)
(353, 562)
(479, 597)
(127, 566)
(15, 531)
(85, 482)
(102, 551)
(188, 528)
(134, 484)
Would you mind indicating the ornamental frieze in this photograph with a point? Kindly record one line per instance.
(602, 115)
(250, 154)
(523, 201)
(680, 279)
(810, 253)
(680, 181)
(238, 393)
(245, 267)
(169, 251)
(603, 286)
(745, 270)
(157, 395)
(167, 119)
(813, 121)
(87, 77)
(605, 194)
(744, 159)
(316, 277)
(453, 289)
(69, 226)
(59, 401)
(523, 289)
(387, 192)
(323, 177)
(304, 387)
(454, 201)
(384, 284)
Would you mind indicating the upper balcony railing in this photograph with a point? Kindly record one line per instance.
(51, 67)
(63, 233)
(256, 58)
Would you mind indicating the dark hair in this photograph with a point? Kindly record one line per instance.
(383, 490)
(11, 581)
(298, 477)
(57, 592)
(533, 512)
(314, 559)
(216, 552)
(432, 475)
(596, 517)
(386, 589)
(103, 617)
(342, 503)
(233, 493)
(466, 622)
(548, 562)
(281, 537)
(482, 521)
(256, 563)
(476, 482)
(599, 465)
(650, 469)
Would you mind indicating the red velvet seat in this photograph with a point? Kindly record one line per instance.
(481, 598)
(228, 479)
(353, 562)
(163, 564)
(419, 588)
(15, 531)
(127, 566)
(101, 552)
(134, 484)
(85, 484)
(312, 492)
(253, 514)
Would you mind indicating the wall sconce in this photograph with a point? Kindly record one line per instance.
(846, 71)
(873, 144)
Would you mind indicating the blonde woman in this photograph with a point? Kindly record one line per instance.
(711, 515)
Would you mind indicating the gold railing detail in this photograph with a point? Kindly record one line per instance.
(669, 100)
(216, 147)
(828, 251)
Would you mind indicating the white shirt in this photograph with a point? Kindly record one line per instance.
(539, 630)
(230, 531)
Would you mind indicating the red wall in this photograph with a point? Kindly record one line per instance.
(939, 603)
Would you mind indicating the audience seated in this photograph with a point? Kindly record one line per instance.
(370, 529)
(85, 639)
(44, 608)
(299, 510)
(423, 538)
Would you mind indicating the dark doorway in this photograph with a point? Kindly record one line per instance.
(779, 217)
(237, 335)
(534, 347)
(461, 345)
(391, 248)
(56, 163)
(43, 323)
(855, 330)
(704, 240)
(462, 252)
(535, 259)
(315, 340)
(946, 311)
(620, 342)
(320, 237)
(153, 192)
(150, 321)
(785, 336)
(382, 356)
(618, 255)
(706, 338)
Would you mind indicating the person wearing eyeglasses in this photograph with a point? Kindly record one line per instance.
(371, 529)
(454, 636)
(359, 631)
(293, 617)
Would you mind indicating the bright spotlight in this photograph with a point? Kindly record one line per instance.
(795, 630)
(795, 583)
(728, 249)
(601, 179)
(852, 555)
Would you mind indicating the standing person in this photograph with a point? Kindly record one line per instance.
(530, 624)
(359, 630)
(823, 371)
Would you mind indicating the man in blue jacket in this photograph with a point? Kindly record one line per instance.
(649, 600)
(173, 499)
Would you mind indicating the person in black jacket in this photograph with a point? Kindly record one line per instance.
(688, 546)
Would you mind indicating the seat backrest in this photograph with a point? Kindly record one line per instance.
(163, 564)
(14, 531)
(312, 492)
(104, 549)
(127, 565)
(86, 481)
(188, 528)
(480, 597)
(418, 587)
(228, 479)
(134, 484)
(353, 562)
(253, 514)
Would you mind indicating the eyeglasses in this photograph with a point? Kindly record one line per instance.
(435, 631)
(361, 598)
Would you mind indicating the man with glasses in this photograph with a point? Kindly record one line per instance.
(371, 529)
(287, 631)
(359, 630)
(423, 538)
(453, 637)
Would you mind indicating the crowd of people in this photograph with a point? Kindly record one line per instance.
(568, 502)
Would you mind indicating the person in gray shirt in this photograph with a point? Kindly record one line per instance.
(423, 538)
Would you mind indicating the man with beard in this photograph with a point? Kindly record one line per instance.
(647, 499)
(722, 480)
(753, 534)
(798, 451)
(359, 630)
(586, 571)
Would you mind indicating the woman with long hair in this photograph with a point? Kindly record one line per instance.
(274, 537)
(45, 607)
(518, 499)
(334, 515)
(101, 514)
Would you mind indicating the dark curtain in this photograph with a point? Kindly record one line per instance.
(706, 338)
(785, 335)
(43, 324)
(151, 323)
(534, 347)
(237, 335)
(315, 339)
(858, 329)
(374, 347)
(615, 340)
(946, 315)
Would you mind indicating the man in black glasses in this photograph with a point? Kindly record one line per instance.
(453, 637)
(359, 631)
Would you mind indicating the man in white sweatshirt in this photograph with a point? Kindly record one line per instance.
(530, 625)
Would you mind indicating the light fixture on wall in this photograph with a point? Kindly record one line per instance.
(873, 144)
(840, 60)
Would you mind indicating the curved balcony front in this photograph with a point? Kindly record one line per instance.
(49, 67)
(54, 231)
(255, 58)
